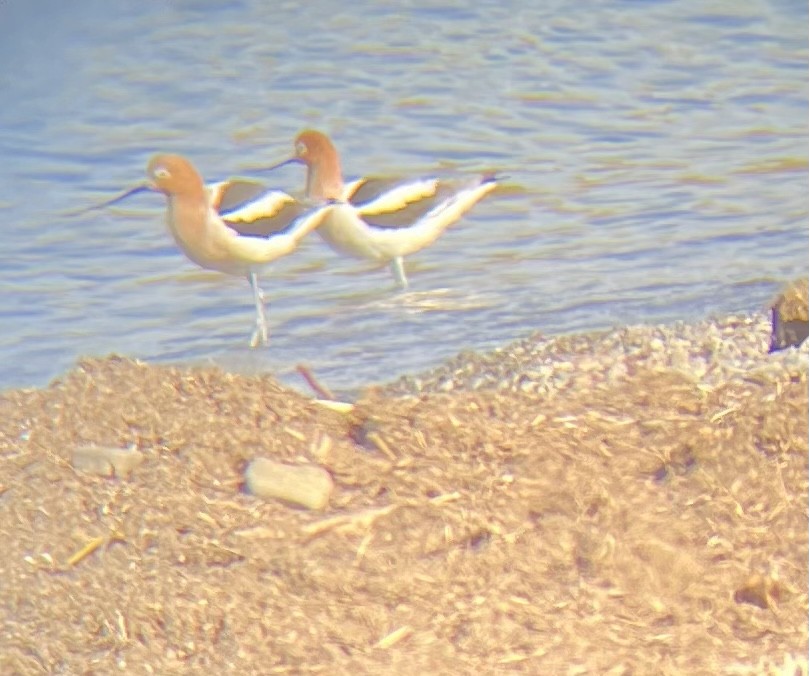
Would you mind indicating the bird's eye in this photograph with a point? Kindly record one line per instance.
(162, 172)
(300, 148)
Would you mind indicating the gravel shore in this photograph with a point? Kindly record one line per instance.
(624, 502)
(709, 351)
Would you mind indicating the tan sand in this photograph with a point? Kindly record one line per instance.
(654, 523)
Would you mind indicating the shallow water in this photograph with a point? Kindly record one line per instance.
(657, 155)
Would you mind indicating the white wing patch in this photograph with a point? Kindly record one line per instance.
(267, 205)
(399, 197)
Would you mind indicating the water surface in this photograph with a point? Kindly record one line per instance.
(657, 155)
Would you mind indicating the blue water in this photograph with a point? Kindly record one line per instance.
(657, 155)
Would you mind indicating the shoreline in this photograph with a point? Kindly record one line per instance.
(633, 497)
(679, 344)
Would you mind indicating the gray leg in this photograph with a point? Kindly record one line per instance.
(397, 268)
(261, 334)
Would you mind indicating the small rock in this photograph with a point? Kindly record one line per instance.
(759, 590)
(790, 316)
(445, 385)
(477, 383)
(106, 460)
(309, 486)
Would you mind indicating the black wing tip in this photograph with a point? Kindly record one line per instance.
(493, 177)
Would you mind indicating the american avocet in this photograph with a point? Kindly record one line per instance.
(260, 231)
(259, 211)
(378, 219)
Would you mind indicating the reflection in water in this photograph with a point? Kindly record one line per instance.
(657, 152)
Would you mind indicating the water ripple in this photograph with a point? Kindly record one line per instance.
(657, 156)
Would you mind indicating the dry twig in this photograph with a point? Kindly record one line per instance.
(320, 390)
